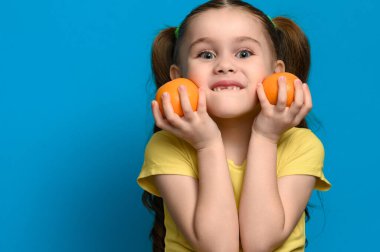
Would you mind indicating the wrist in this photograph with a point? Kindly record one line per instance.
(264, 137)
(210, 145)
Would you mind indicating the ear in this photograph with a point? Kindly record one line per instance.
(175, 72)
(279, 66)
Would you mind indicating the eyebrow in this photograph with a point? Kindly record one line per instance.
(209, 40)
(245, 38)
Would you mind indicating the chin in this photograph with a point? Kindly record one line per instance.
(228, 107)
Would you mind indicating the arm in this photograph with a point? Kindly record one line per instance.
(205, 210)
(270, 207)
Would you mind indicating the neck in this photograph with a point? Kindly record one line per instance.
(236, 134)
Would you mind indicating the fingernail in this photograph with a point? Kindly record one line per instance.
(181, 87)
(282, 78)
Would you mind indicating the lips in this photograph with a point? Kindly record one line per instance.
(226, 85)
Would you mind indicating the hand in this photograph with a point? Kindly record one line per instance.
(273, 120)
(195, 127)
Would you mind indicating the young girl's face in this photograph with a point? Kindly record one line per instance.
(227, 53)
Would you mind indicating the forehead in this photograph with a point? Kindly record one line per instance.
(225, 23)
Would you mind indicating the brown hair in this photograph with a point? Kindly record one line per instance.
(289, 44)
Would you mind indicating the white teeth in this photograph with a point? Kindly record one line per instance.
(217, 89)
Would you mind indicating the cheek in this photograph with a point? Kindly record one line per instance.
(196, 74)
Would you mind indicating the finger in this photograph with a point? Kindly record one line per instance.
(264, 102)
(298, 97)
(202, 105)
(282, 96)
(170, 115)
(158, 117)
(185, 102)
(307, 106)
(308, 102)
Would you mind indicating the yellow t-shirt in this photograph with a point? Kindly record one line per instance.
(299, 151)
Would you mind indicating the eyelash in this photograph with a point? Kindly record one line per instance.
(246, 50)
(203, 53)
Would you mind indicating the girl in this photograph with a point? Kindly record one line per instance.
(238, 172)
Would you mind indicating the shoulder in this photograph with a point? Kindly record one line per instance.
(165, 143)
(166, 138)
(295, 134)
(166, 154)
(300, 148)
(300, 151)
(300, 140)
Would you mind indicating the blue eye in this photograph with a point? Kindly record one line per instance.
(244, 54)
(206, 55)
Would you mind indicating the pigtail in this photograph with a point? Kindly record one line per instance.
(162, 55)
(162, 58)
(294, 47)
(158, 231)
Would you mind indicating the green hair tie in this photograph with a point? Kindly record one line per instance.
(275, 26)
(176, 32)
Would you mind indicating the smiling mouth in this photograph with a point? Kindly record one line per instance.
(226, 85)
(221, 88)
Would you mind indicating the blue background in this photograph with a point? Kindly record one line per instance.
(75, 89)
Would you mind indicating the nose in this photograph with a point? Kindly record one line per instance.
(224, 65)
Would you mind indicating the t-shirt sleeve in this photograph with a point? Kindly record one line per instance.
(165, 154)
(303, 153)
